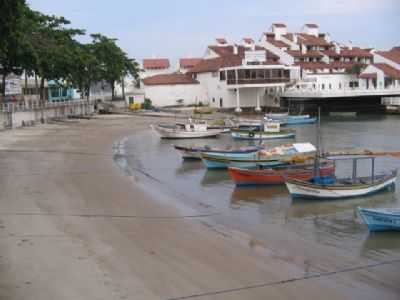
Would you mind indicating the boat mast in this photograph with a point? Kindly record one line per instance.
(318, 152)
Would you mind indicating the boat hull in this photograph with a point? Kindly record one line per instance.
(254, 135)
(304, 189)
(171, 133)
(220, 162)
(195, 152)
(380, 219)
(247, 177)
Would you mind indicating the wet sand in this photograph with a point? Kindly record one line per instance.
(73, 226)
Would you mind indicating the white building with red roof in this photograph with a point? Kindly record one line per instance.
(155, 66)
(283, 65)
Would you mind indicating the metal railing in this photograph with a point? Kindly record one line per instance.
(19, 107)
(258, 80)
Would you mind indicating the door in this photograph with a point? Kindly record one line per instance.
(221, 102)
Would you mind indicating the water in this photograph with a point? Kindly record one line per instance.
(317, 236)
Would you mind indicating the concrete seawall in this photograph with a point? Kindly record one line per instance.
(14, 116)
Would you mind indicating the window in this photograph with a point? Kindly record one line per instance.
(323, 86)
(330, 86)
(213, 99)
(340, 86)
(222, 76)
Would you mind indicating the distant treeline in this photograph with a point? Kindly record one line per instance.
(46, 47)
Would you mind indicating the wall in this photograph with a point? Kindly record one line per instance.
(167, 95)
(380, 80)
(334, 79)
(13, 116)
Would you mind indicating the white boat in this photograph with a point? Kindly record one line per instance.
(276, 115)
(338, 188)
(186, 131)
(380, 219)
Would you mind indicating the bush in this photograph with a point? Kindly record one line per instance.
(200, 104)
(147, 104)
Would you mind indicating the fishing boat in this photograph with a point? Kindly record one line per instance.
(276, 115)
(271, 131)
(186, 131)
(282, 155)
(277, 175)
(330, 187)
(194, 152)
(380, 219)
(292, 120)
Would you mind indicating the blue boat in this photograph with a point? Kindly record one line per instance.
(263, 158)
(380, 219)
(194, 152)
(293, 120)
(219, 162)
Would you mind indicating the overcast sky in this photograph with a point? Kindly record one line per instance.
(183, 28)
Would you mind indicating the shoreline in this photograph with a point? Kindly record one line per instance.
(73, 226)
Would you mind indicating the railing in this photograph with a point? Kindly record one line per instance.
(18, 107)
(258, 80)
(349, 92)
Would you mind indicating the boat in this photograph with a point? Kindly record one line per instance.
(282, 155)
(194, 152)
(330, 187)
(380, 219)
(277, 175)
(186, 131)
(276, 115)
(271, 131)
(292, 120)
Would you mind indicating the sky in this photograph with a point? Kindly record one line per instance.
(184, 28)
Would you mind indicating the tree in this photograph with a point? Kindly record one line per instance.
(55, 48)
(113, 61)
(15, 49)
(355, 69)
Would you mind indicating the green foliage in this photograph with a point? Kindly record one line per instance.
(46, 46)
(147, 104)
(355, 69)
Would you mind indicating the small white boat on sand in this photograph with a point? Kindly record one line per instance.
(186, 131)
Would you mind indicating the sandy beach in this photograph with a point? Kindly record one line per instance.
(74, 226)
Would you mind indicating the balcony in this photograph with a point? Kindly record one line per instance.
(233, 81)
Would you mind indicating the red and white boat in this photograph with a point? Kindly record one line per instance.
(278, 175)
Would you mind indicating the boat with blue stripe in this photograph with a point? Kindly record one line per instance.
(380, 219)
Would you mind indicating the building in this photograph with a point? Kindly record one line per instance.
(283, 67)
(155, 66)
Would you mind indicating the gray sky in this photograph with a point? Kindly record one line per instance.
(179, 28)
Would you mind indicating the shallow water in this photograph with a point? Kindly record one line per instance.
(318, 236)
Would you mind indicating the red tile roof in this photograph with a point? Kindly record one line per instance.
(188, 63)
(341, 65)
(312, 40)
(367, 75)
(309, 25)
(331, 53)
(279, 25)
(388, 70)
(214, 64)
(277, 43)
(156, 63)
(169, 79)
(393, 55)
(289, 36)
(298, 53)
(312, 65)
(355, 52)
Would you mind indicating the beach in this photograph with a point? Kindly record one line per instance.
(73, 225)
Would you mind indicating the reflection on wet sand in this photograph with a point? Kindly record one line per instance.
(303, 208)
(215, 177)
(189, 166)
(258, 194)
(381, 244)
